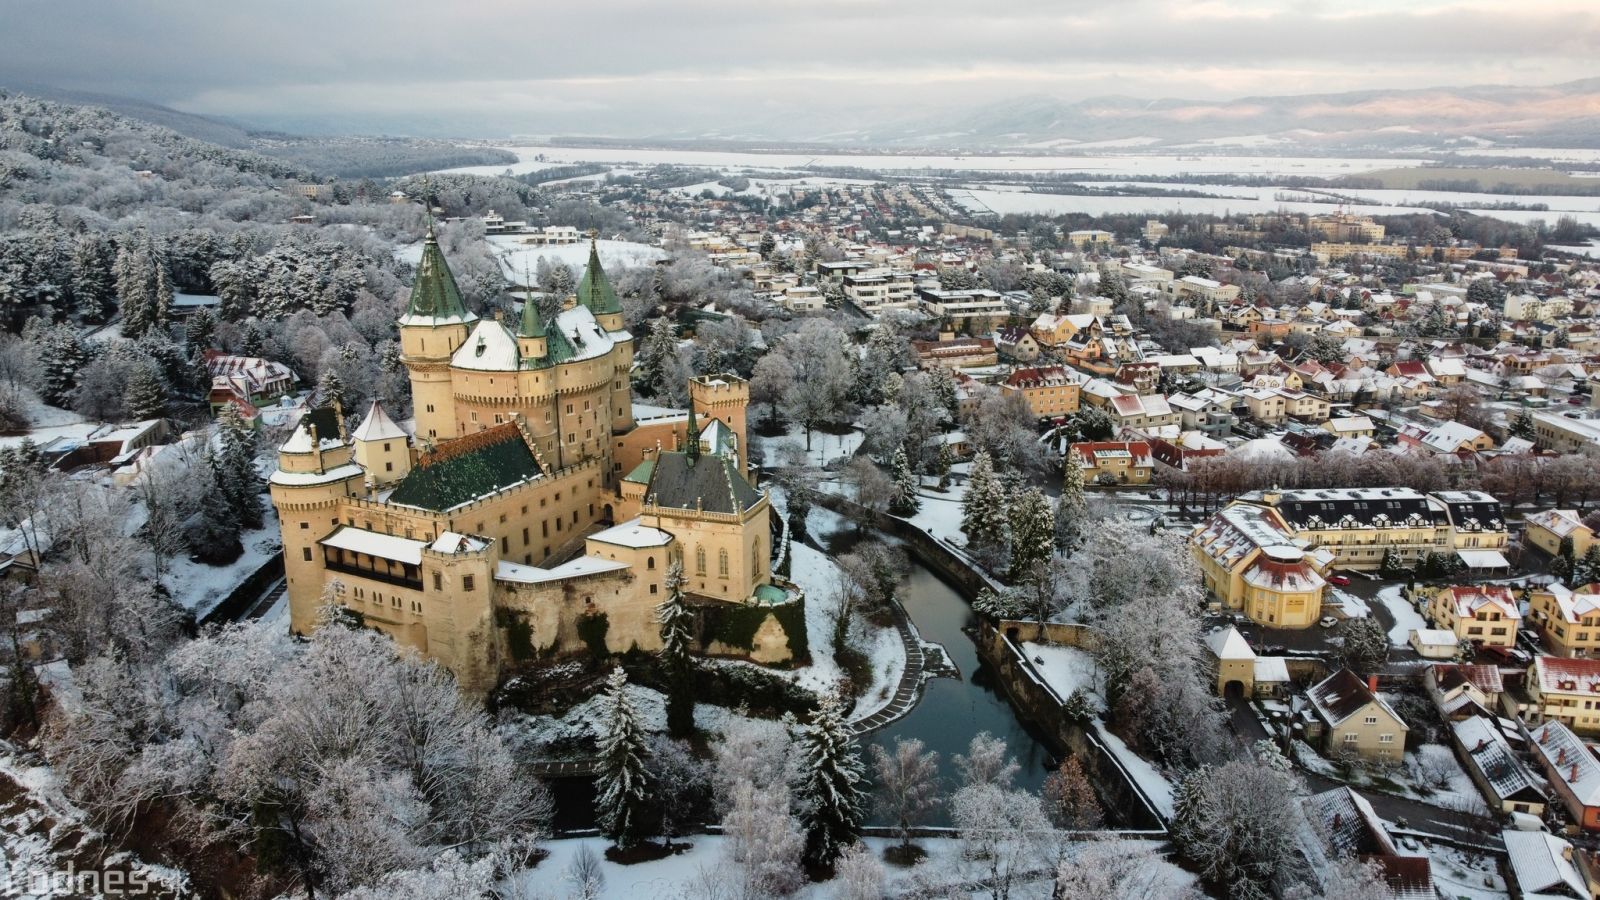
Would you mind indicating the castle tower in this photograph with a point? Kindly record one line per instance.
(434, 326)
(381, 447)
(726, 398)
(316, 472)
(595, 293)
(532, 340)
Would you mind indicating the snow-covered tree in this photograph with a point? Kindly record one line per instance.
(987, 761)
(236, 472)
(1032, 535)
(1366, 645)
(624, 784)
(659, 346)
(1586, 569)
(764, 842)
(680, 785)
(676, 621)
(1072, 511)
(858, 875)
(1236, 824)
(904, 501)
(62, 356)
(983, 510)
(829, 787)
(146, 393)
(1562, 563)
(1521, 426)
(1005, 835)
(907, 784)
(1070, 799)
(1122, 869)
(143, 285)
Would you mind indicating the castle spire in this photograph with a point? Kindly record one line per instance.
(692, 437)
(435, 299)
(594, 290)
(532, 324)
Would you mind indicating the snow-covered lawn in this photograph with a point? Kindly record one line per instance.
(517, 257)
(825, 448)
(1354, 607)
(1066, 669)
(1406, 617)
(1458, 793)
(199, 587)
(940, 513)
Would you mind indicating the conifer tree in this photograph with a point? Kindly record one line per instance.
(658, 347)
(1072, 511)
(1586, 570)
(213, 534)
(1561, 567)
(676, 622)
(946, 461)
(200, 328)
(1521, 426)
(146, 393)
(94, 292)
(624, 782)
(1032, 534)
(62, 355)
(831, 791)
(330, 387)
(983, 510)
(905, 501)
(237, 477)
(143, 286)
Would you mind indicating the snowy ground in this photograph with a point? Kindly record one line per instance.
(825, 448)
(1457, 875)
(1354, 607)
(1152, 783)
(1406, 617)
(517, 257)
(1066, 669)
(940, 513)
(47, 422)
(197, 586)
(1459, 793)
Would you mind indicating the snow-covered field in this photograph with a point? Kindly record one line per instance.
(200, 587)
(825, 448)
(517, 258)
(1115, 164)
(1406, 617)
(1066, 669)
(1031, 203)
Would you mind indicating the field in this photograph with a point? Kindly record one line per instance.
(1494, 181)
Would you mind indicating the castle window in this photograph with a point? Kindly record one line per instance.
(306, 552)
(388, 467)
(386, 446)
(505, 545)
(524, 537)
(653, 588)
(699, 560)
(304, 525)
(466, 582)
(650, 562)
(569, 409)
(438, 582)
(722, 563)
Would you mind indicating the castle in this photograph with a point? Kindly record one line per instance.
(529, 512)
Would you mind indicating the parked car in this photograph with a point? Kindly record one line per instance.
(1340, 580)
(1327, 621)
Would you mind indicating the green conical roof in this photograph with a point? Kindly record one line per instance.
(691, 442)
(595, 291)
(435, 299)
(532, 324)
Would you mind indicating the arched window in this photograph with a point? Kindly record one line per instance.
(722, 563)
(650, 562)
(700, 560)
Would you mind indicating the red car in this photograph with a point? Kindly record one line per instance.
(1340, 580)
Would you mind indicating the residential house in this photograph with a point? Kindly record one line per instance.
(1350, 426)
(1017, 343)
(1562, 689)
(1543, 866)
(1571, 769)
(1052, 392)
(1114, 462)
(951, 352)
(1051, 330)
(1498, 772)
(1462, 690)
(1547, 529)
(1561, 433)
(1354, 831)
(1484, 614)
(1568, 620)
(1355, 720)
(1131, 411)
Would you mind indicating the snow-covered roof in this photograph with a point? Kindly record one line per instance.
(300, 441)
(302, 479)
(1568, 760)
(385, 546)
(1489, 752)
(491, 347)
(1539, 863)
(1434, 637)
(1228, 643)
(377, 426)
(1271, 670)
(455, 542)
(583, 565)
(632, 534)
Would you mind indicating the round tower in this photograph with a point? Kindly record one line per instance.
(434, 326)
(316, 473)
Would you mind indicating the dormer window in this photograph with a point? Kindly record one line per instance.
(482, 346)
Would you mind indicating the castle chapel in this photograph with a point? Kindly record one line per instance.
(529, 511)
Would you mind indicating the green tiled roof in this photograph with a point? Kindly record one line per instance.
(594, 290)
(532, 324)
(468, 468)
(711, 484)
(641, 472)
(434, 294)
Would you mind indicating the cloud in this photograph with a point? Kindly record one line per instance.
(617, 64)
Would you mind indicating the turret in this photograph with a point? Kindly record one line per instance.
(724, 397)
(381, 447)
(531, 340)
(434, 325)
(595, 291)
(316, 472)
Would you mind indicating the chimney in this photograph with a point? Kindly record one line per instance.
(1372, 683)
(1482, 743)
(1572, 774)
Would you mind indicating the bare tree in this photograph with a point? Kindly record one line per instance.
(907, 782)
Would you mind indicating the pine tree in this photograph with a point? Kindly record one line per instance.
(94, 292)
(983, 510)
(1561, 567)
(199, 330)
(905, 501)
(213, 534)
(1390, 566)
(62, 355)
(624, 777)
(676, 621)
(1586, 570)
(143, 286)
(1032, 534)
(237, 477)
(946, 461)
(146, 393)
(330, 388)
(768, 245)
(831, 791)
(1072, 511)
(1521, 426)
(659, 347)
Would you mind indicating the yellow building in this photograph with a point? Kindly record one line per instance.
(1484, 614)
(1355, 720)
(1546, 530)
(1051, 391)
(1114, 462)
(1250, 563)
(504, 529)
(1359, 525)
(1568, 620)
(1563, 690)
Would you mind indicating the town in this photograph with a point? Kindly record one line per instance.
(555, 521)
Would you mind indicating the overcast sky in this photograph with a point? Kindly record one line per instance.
(714, 63)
